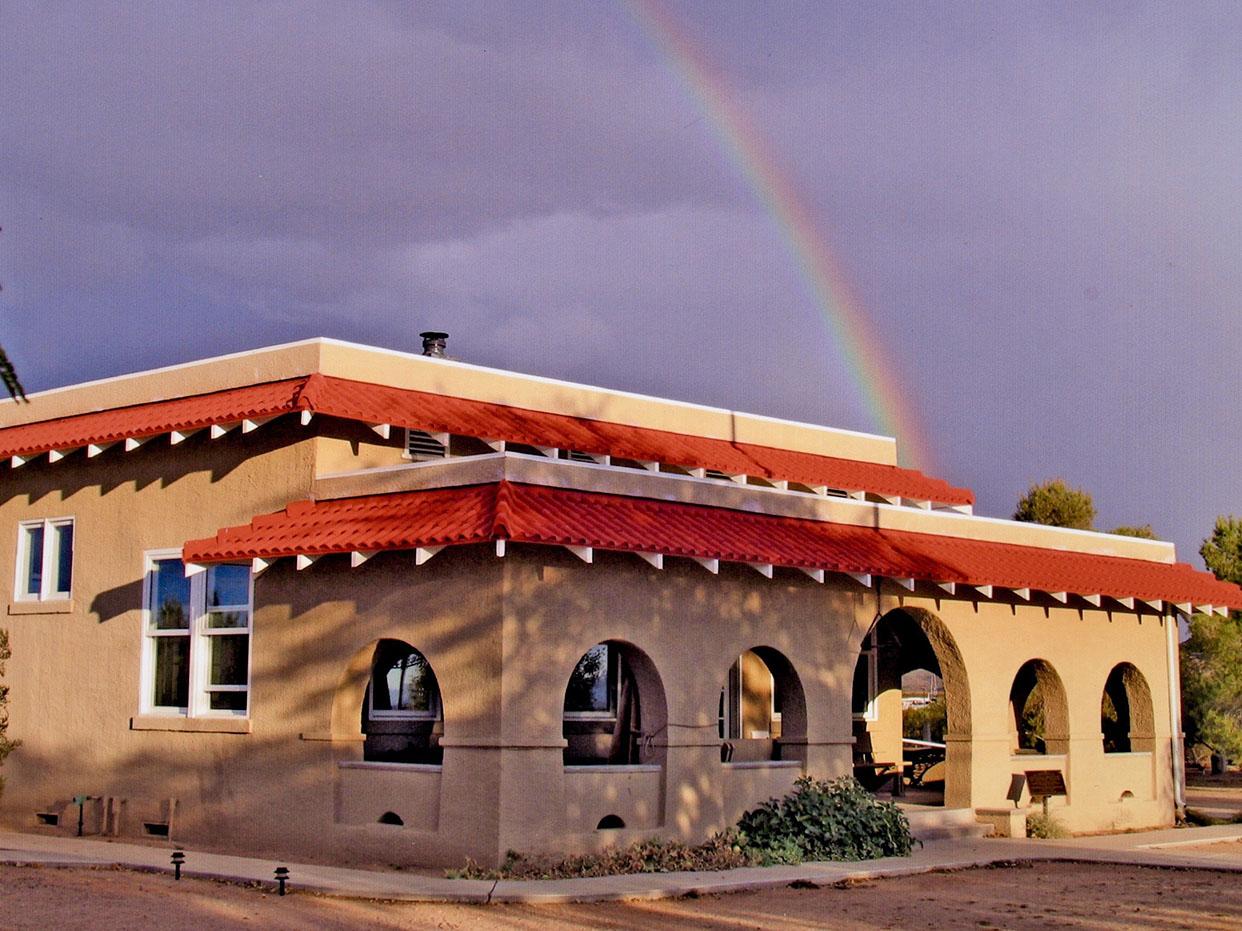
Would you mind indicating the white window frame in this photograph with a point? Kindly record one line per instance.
(433, 714)
(46, 592)
(199, 634)
(871, 653)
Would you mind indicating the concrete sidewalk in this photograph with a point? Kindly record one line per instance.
(1181, 848)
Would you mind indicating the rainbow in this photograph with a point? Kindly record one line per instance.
(872, 369)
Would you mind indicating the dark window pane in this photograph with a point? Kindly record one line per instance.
(227, 701)
(170, 596)
(34, 560)
(228, 585)
(862, 685)
(589, 685)
(225, 619)
(404, 681)
(64, 558)
(229, 660)
(172, 672)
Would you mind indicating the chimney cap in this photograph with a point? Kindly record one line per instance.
(433, 343)
(433, 334)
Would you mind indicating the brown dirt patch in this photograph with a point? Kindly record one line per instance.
(1043, 895)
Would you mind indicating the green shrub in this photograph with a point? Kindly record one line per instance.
(1044, 826)
(825, 820)
(934, 714)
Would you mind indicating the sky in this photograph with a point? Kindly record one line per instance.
(1034, 209)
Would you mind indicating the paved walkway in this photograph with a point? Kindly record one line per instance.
(1217, 848)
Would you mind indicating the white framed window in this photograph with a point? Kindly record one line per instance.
(44, 560)
(196, 638)
(866, 682)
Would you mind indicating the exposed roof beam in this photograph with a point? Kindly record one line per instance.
(358, 557)
(780, 483)
(94, 449)
(920, 503)
(383, 429)
(1222, 610)
(711, 565)
(889, 499)
(907, 584)
(496, 445)
(656, 559)
(1156, 604)
(306, 417)
(306, 560)
(950, 587)
(1092, 599)
(862, 578)
(699, 472)
(55, 455)
(984, 590)
(816, 574)
(180, 436)
(1126, 602)
(133, 442)
(821, 490)
(549, 451)
(649, 464)
(1062, 597)
(258, 564)
(19, 461)
(250, 424)
(500, 547)
(194, 568)
(856, 495)
(1023, 593)
(1185, 607)
(219, 429)
(424, 553)
(585, 553)
(763, 568)
(739, 479)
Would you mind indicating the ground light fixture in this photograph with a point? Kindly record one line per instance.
(178, 858)
(282, 877)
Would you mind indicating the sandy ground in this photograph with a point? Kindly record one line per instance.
(1066, 895)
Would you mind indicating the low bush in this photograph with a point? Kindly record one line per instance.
(825, 820)
(1044, 826)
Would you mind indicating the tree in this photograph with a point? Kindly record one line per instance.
(1056, 504)
(1212, 657)
(1144, 532)
(8, 375)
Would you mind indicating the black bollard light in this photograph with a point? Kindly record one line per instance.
(178, 858)
(282, 876)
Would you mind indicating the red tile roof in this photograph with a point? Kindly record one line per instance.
(538, 514)
(192, 413)
(363, 401)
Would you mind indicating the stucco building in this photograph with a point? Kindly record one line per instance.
(336, 601)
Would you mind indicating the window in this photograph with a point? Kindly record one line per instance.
(44, 559)
(594, 685)
(402, 684)
(196, 648)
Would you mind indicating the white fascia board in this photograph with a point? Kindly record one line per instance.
(383, 429)
(655, 559)
(816, 574)
(763, 568)
(711, 565)
(424, 553)
(862, 578)
(94, 449)
(585, 553)
(358, 557)
(306, 560)
(258, 564)
(219, 429)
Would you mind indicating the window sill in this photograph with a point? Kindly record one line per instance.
(156, 722)
(57, 606)
(391, 767)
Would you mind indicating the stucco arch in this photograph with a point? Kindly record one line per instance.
(1037, 679)
(351, 689)
(1127, 689)
(748, 704)
(650, 731)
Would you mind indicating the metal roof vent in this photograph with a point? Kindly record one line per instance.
(433, 343)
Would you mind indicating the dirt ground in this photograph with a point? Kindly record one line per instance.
(1066, 895)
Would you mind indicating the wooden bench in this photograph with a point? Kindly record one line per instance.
(872, 773)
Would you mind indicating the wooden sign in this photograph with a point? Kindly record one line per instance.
(1044, 783)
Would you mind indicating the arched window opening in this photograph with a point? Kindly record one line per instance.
(1039, 713)
(613, 703)
(1126, 718)
(402, 719)
(760, 689)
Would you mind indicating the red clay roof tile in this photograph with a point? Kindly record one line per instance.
(538, 514)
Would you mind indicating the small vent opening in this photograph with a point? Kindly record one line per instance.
(610, 823)
(717, 474)
(579, 456)
(391, 817)
(48, 817)
(422, 445)
(155, 828)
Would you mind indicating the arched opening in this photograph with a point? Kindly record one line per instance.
(762, 710)
(614, 708)
(1039, 711)
(402, 715)
(1127, 718)
(911, 710)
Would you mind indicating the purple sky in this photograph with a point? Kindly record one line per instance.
(1041, 209)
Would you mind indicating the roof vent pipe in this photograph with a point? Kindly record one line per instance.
(433, 343)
